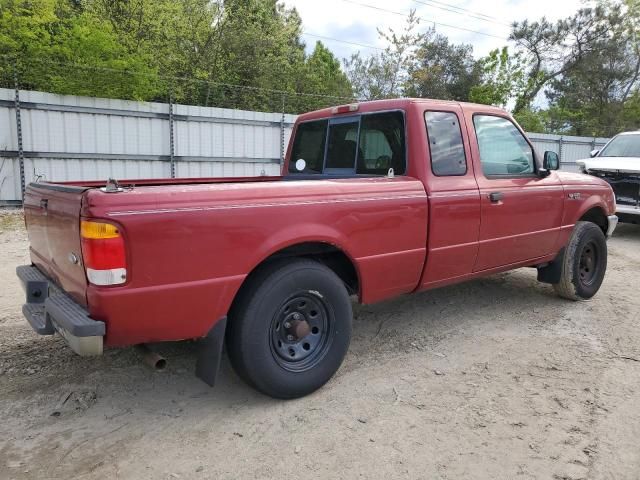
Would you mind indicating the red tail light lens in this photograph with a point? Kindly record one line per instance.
(103, 252)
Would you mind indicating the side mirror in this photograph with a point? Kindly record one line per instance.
(595, 152)
(551, 161)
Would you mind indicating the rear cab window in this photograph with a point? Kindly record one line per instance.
(366, 144)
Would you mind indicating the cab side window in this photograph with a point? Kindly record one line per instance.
(503, 149)
(445, 144)
(382, 144)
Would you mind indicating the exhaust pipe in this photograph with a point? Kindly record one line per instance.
(151, 358)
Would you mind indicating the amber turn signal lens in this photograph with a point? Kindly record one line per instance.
(98, 230)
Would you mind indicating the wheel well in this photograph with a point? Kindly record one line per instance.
(596, 215)
(327, 254)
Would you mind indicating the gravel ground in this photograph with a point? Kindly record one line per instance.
(495, 378)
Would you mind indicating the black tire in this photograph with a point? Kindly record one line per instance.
(584, 263)
(292, 361)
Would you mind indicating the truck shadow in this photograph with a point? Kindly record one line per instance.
(32, 364)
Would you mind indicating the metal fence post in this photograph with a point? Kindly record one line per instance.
(171, 139)
(561, 143)
(19, 128)
(282, 135)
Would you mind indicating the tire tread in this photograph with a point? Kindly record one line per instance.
(566, 287)
(258, 287)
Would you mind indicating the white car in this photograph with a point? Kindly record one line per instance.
(618, 163)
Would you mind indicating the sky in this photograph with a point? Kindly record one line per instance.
(351, 21)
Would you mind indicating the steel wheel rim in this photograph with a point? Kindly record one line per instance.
(300, 332)
(589, 265)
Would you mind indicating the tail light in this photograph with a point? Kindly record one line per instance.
(103, 253)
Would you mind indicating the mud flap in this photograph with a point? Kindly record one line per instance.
(210, 353)
(552, 272)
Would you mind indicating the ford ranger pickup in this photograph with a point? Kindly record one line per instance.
(375, 200)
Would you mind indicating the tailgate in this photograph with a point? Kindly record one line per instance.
(52, 215)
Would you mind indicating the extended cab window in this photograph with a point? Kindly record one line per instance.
(503, 149)
(368, 144)
(445, 144)
(382, 144)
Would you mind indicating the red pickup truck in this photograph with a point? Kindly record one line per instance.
(376, 199)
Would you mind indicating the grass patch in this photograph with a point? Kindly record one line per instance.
(11, 219)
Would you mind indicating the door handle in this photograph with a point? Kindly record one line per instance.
(495, 197)
(44, 203)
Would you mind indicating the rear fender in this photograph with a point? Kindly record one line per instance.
(300, 234)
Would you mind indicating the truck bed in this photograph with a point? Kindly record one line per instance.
(190, 244)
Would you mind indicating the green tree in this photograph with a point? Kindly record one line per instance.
(322, 81)
(442, 69)
(553, 50)
(503, 78)
(228, 53)
(532, 120)
(385, 75)
(40, 37)
(590, 98)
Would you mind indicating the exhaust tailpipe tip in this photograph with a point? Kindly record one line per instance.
(151, 358)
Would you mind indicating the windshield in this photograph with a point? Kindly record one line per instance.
(622, 146)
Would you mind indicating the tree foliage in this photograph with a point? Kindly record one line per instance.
(579, 75)
(503, 77)
(442, 69)
(385, 75)
(48, 33)
(231, 53)
(553, 50)
(417, 64)
(595, 95)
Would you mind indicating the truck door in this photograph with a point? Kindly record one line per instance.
(521, 211)
(454, 200)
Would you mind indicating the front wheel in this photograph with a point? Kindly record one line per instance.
(290, 328)
(584, 263)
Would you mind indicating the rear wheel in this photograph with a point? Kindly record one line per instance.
(584, 263)
(290, 328)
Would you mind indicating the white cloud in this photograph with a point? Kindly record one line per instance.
(347, 21)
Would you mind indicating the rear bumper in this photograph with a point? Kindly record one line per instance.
(49, 310)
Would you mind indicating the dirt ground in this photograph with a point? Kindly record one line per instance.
(497, 378)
